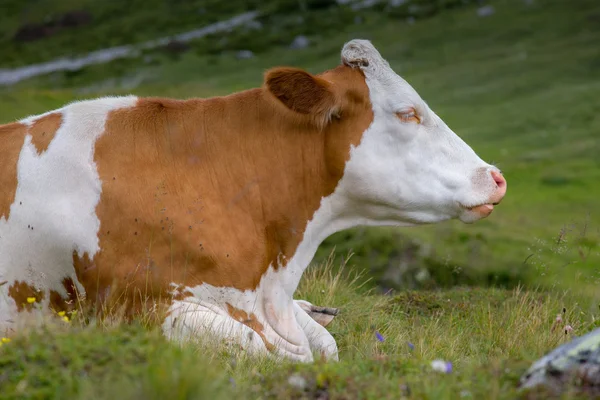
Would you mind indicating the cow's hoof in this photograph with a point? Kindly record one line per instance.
(323, 315)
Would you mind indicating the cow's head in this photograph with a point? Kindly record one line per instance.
(399, 163)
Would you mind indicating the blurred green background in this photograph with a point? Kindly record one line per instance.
(517, 79)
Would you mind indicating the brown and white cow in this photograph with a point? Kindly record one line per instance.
(216, 206)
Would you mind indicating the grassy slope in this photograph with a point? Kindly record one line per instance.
(113, 23)
(521, 87)
(490, 335)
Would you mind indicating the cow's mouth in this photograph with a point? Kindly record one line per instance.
(483, 209)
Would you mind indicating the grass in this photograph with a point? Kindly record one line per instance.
(490, 335)
(520, 87)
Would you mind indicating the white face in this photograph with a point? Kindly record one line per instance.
(410, 167)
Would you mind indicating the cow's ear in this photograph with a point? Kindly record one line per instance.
(302, 92)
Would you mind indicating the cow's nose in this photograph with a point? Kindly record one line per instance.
(500, 191)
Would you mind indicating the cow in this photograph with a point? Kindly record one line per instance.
(213, 208)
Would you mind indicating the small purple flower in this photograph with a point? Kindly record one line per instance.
(442, 366)
(448, 367)
(411, 346)
(232, 381)
(379, 336)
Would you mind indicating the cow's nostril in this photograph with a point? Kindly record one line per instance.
(499, 179)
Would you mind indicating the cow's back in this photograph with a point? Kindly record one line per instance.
(50, 189)
(193, 192)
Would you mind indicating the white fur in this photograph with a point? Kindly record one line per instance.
(405, 173)
(286, 326)
(54, 209)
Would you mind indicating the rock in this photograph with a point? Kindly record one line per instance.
(300, 42)
(320, 4)
(254, 25)
(397, 3)
(486, 11)
(423, 275)
(358, 4)
(364, 4)
(31, 32)
(244, 54)
(405, 390)
(175, 47)
(414, 9)
(576, 363)
(52, 25)
(73, 19)
(297, 381)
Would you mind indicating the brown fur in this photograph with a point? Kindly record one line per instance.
(42, 131)
(12, 138)
(20, 291)
(251, 322)
(58, 303)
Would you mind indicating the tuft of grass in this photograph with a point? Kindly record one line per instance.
(128, 362)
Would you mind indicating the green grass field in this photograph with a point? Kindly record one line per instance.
(521, 87)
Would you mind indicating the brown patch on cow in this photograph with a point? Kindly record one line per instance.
(43, 130)
(181, 293)
(20, 291)
(84, 267)
(70, 303)
(109, 293)
(250, 320)
(213, 191)
(12, 138)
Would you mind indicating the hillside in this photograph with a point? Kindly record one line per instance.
(519, 85)
(39, 31)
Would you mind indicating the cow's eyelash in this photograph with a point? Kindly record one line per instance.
(409, 116)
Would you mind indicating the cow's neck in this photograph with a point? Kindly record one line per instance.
(296, 181)
(301, 205)
(328, 219)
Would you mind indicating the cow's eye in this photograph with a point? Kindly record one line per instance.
(409, 116)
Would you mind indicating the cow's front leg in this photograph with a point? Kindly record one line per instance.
(319, 338)
(257, 326)
(190, 321)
